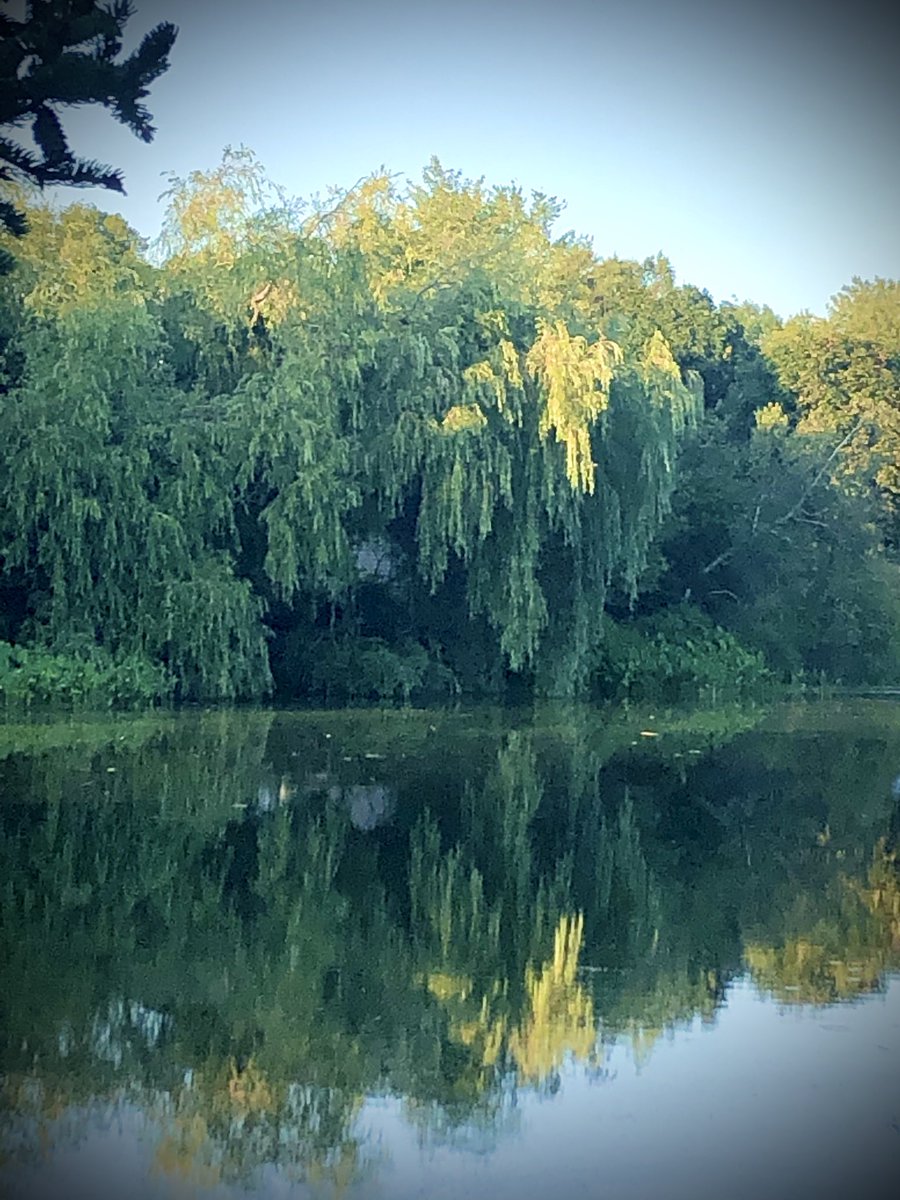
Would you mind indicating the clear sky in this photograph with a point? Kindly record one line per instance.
(756, 145)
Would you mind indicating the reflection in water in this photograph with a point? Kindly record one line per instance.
(235, 934)
(559, 1018)
(368, 805)
(845, 956)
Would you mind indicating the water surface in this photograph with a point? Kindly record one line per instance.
(387, 954)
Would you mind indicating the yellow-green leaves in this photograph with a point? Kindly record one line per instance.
(658, 358)
(463, 417)
(845, 374)
(771, 416)
(424, 365)
(75, 260)
(575, 376)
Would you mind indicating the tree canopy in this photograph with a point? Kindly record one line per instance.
(845, 374)
(404, 439)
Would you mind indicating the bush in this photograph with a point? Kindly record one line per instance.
(351, 669)
(87, 678)
(675, 655)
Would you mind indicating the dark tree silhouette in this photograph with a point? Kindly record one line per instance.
(64, 53)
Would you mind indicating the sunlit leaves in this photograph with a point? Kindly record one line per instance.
(421, 365)
(560, 1019)
(576, 378)
(845, 374)
(81, 260)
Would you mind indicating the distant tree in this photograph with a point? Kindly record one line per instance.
(763, 542)
(844, 372)
(63, 53)
(636, 298)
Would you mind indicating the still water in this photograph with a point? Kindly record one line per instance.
(560, 953)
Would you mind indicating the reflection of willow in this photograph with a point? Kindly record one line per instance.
(155, 919)
(130, 873)
(229, 1123)
(482, 916)
(557, 1021)
(882, 893)
(486, 910)
(461, 899)
(560, 1015)
(845, 956)
(220, 1124)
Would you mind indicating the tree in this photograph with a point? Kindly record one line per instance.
(844, 372)
(763, 541)
(62, 54)
(187, 446)
(203, 456)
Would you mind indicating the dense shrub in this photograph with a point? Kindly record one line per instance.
(674, 655)
(85, 678)
(341, 670)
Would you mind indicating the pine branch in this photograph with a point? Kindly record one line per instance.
(15, 158)
(151, 58)
(11, 53)
(48, 133)
(84, 172)
(72, 45)
(121, 11)
(11, 219)
(89, 27)
(70, 79)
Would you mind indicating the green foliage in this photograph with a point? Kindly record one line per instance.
(763, 541)
(199, 453)
(197, 892)
(89, 679)
(845, 374)
(345, 669)
(192, 447)
(677, 655)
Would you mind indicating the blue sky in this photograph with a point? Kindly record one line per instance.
(755, 145)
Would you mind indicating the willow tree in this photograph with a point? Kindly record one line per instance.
(115, 524)
(195, 444)
(496, 431)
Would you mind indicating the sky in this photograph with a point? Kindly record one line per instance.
(755, 145)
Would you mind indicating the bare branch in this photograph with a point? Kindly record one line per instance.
(789, 516)
(718, 561)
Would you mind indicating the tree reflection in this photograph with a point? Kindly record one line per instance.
(447, 911)
(846, 953)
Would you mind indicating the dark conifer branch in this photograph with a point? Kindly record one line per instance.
(68, 50)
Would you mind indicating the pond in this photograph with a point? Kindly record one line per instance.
(393, 954)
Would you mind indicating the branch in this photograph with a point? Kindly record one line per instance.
(446, 278)
(789, 516)
(312, 224)
(718, 560)
(807, 520)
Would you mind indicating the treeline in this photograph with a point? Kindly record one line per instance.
(404, 442)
